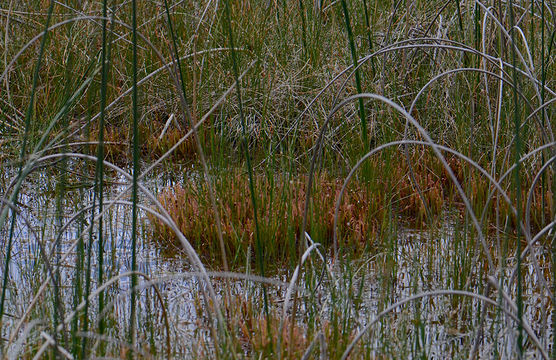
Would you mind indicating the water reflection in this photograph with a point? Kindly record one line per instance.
(403, 262)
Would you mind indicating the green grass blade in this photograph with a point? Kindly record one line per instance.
(14, 197)
(517, 180)
(259, 245)
(134, 193)
(362, 114)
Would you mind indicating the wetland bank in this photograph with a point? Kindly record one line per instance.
(283, 179)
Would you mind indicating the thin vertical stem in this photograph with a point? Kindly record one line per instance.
(135, 146)
(362, 114)
(100, 159)
(62, 184)
(15, 195)
(187, 112)
(85, 258)
(258, 242)
(517, 182)
(369, 33)
(303, 27)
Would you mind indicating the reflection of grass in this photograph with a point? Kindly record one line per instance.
(252, 329)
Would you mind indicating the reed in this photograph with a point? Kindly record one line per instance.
(277, 179)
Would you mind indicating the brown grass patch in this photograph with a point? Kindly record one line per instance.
(280, 201)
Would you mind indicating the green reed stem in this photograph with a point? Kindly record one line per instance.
(517, 181)
(303, 27)
(62, 184)
(369, 33)
(15, 195)
(99, 179)
(89, 253)
(187, 113)
(84, 258)
(460, 19)
(351, 41)
(258, 242)
(135, 145)
(532, 30)
(77, 283)
(543, 116)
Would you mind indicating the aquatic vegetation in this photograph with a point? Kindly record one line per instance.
(277, 179)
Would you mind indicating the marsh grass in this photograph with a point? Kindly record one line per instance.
(300, 141)
(282, 197)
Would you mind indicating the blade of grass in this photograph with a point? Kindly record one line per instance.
(517, 182)
(245, 143)
(14, 197)
(99, 178)
(134, 193)
(179, 71)
(61, 186)
(362, 115)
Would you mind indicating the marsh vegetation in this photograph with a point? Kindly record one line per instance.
(277, 179)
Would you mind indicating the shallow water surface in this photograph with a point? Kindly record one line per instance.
(345, 295)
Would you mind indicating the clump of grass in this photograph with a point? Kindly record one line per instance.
(282, 198)
(252, 328)
(366, 204)
(487, 202)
